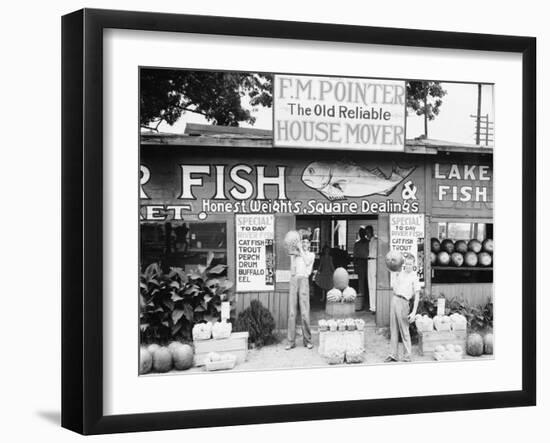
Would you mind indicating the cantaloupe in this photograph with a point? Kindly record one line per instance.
(474, 345)
(488, 343)
(162, 359)
(292, 240)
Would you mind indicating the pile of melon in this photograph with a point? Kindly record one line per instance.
(462, 253)
(476, 345)
(155, 358)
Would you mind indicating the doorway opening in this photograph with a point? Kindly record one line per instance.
(335, 236)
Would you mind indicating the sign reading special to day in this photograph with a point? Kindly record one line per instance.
(255, 252)
(334, 112)
(407, 236)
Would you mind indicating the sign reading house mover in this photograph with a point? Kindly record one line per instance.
(334, 112)
(255, 252)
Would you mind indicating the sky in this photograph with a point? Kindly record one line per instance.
(453, 123)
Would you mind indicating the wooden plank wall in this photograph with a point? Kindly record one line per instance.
(473, 293)
(276, 302)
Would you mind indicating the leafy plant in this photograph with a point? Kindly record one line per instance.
(172, 302)
(258, 321)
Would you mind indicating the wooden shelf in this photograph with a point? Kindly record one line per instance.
(462, 268)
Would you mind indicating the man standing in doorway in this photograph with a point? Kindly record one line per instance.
(360, 261)
(371, 270)
(301, 266)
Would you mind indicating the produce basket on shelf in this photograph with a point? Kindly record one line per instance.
(335, 356)
(448, 353)
(221, 330)
(202, 331)
(219, 362)
(356, 355)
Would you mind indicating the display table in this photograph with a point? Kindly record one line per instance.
(236, 344)
(427, 341)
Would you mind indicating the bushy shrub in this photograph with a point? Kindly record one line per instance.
(258, 322)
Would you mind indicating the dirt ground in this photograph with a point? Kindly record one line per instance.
(276, 357)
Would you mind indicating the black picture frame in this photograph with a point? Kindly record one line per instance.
(82, 233)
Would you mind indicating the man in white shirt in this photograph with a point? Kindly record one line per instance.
(301, 266)
(405, 286)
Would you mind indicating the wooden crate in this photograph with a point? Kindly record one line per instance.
(236, 344)
(341, 339)
(429, 340)
(340, 310)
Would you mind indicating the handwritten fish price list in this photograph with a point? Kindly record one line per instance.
(407, 237)
(255, 256)
(333, 112)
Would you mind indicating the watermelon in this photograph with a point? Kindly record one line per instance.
(488, 343)
(443, 258)
(182, 356)
(340, 279)
(457, 259)
(433, 258)
(152, 348)
(461, 246)
(470, 258)
(474, 245)
(474, 345)
(162, 359)
(488, 245)
(448, 246)
(394, 260)
(484, 259)
(436, 245)
(145, 361)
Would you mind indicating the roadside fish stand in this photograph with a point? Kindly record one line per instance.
(236, 192)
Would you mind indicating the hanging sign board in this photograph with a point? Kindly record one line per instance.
(407, 236)
(333, 112)
(255, 252)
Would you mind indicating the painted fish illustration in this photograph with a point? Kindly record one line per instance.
(339, 180)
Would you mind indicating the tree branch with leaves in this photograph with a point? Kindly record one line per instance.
(167, 94)
(424, 98)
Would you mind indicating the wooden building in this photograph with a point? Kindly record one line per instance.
(198, 186)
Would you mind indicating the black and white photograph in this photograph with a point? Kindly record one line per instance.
(292, 221)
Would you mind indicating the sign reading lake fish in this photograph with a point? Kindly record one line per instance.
(333, 112)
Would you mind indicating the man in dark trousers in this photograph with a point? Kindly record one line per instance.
(360, 262)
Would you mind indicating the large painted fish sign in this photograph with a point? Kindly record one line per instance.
(340, 180)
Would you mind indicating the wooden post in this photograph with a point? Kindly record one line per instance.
(478, 120)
